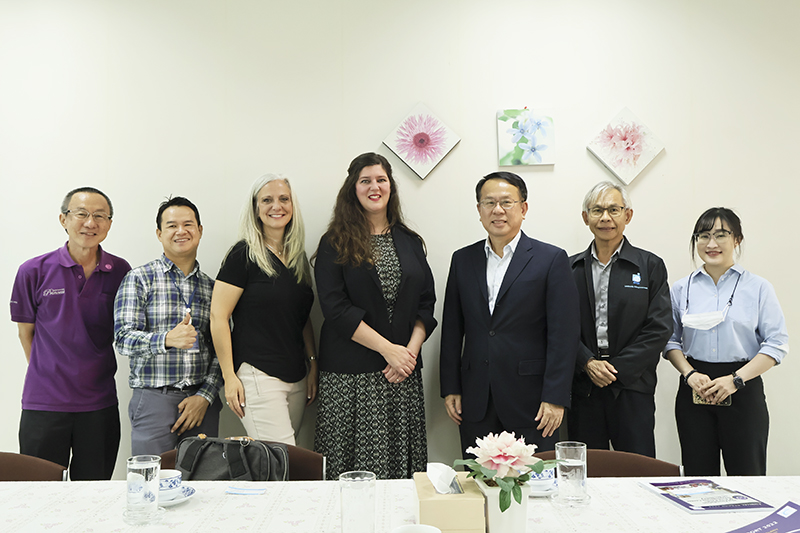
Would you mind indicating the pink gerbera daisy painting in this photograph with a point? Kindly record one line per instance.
(421, 140)
(625, 146)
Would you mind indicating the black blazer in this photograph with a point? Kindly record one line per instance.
(639, 318)
(349, 294)
(525, 351)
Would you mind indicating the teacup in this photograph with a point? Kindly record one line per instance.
(169, 484)
(544, 480)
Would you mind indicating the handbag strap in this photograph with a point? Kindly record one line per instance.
(233, 452)
(192, 455)
(238, 465)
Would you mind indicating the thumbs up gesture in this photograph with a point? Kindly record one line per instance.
(183, 335)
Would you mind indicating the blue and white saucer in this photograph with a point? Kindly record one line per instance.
(186, 493)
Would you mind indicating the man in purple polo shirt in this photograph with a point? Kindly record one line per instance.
(63, 304)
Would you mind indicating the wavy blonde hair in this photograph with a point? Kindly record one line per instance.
(294, 238)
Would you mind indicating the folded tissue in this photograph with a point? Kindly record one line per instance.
(443, 478)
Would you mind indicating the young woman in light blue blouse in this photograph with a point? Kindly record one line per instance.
(728, 330)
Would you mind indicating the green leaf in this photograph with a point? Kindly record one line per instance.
(517, 492)
(513, 113)
(505, 500)
(506, 160)
(469, 463)
(488, 472)
(504, 118)
(505, 483)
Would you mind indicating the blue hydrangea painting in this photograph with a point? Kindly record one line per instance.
(525, 137)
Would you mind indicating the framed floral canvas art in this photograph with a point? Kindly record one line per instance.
(625, 146)
(525, 137)
(421, 140)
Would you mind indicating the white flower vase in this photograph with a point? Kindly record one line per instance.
(514, 519)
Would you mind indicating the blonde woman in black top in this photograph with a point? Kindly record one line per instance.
(268, 361)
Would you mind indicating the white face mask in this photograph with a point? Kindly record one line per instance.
(704, 321)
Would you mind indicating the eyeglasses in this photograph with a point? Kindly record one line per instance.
(720, 236)
(82, 214)
(505, 205)
(613, 210)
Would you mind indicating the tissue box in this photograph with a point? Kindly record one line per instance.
(452, 513)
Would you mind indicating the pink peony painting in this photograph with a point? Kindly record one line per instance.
(421, 140)
(625, 146)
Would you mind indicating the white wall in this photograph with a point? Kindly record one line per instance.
(145, 99)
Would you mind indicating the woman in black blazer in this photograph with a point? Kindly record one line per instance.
(377, 296)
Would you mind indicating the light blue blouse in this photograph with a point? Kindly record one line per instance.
(754, 323)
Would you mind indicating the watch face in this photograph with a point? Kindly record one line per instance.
(738, 382)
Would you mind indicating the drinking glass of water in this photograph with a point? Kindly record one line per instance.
(357, 490)
(142, 489)
(571, 468)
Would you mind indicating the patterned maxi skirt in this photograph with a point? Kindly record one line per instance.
(366, 423)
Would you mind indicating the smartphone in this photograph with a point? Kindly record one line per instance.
(699, 400)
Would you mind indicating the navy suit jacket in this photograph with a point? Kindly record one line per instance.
(525, 351)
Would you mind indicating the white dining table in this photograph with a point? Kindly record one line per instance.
(617, 505)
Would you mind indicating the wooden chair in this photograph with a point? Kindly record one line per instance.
(19, 467)
(610, 463)
(304, 465)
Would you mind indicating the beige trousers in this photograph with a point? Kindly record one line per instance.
(274, 409)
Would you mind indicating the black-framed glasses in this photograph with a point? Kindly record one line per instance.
(505, 205)
(82, 214)
(720, 236)
(613, 210)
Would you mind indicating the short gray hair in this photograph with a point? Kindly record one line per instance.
(600, 189)
(92, 190)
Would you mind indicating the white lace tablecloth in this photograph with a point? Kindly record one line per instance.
(617, 505)
(622, 504)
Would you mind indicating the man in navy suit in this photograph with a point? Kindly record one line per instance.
(510, 329)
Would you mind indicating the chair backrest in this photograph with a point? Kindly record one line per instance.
(168, 459)
(304, 465)
(19, 467)
(610, 463)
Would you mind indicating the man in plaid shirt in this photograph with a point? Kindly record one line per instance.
(161, 322)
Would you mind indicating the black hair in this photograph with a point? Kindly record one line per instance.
(709, 218)
(510, 177)
(176, 202)
(73, 192)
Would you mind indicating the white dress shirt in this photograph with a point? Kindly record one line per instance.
(497, 266)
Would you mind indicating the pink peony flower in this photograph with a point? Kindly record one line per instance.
(421, 138)
(504, 453)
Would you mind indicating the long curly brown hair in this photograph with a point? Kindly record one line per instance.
(349, 230)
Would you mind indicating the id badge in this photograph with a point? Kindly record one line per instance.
(699, 400)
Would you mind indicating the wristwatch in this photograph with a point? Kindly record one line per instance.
(737, 381)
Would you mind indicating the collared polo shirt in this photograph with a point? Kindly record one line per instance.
(72, 362)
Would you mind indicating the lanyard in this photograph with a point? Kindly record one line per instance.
(730, 300)
(180, 293)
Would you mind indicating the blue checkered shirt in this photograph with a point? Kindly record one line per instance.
(148, 305)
